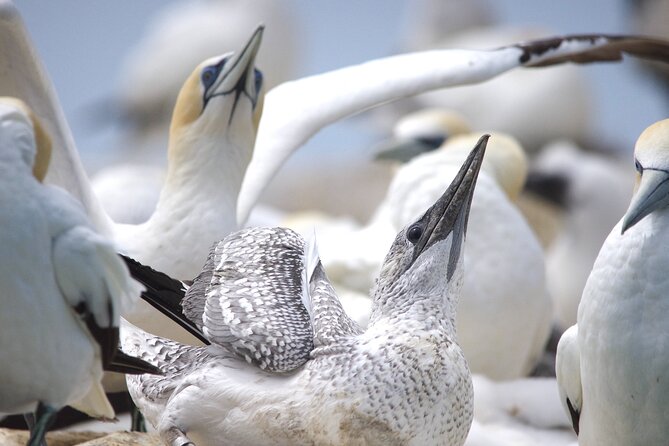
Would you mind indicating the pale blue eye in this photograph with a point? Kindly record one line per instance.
(209, 75)
(258, 79)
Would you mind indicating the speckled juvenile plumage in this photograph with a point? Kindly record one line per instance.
(403, 381)
(252, 303)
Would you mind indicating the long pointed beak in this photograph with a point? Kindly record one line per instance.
(404, 151)
(652, 193)
(238, 76)
(449, 214)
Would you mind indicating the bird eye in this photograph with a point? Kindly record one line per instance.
(258, 79)
(209, 76)
(638, 166)
(414, 233)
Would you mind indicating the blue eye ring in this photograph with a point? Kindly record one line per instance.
(638, 166)
(209, 75)
(258, 79)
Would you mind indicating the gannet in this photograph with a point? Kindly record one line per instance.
(422, 131)
(505, 312)
(287, 365)
(63, 287)
(613, 368)
(593, 190)
(293, 112)
(176, 39)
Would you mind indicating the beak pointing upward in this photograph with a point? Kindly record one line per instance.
(451, 211)
(238, 75)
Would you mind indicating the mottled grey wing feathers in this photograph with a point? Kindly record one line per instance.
(254, 303)
(194, 301)
(330, 321)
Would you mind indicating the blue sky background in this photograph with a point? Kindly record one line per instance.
(84, 42)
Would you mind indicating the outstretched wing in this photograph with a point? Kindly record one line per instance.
(256, 298)
(294, 111)
(22, 75)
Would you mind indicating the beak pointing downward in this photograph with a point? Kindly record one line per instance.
(238, 74)
(652, 193)
(450, 213)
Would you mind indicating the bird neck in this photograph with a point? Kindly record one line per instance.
(401, 302)
(205, 171)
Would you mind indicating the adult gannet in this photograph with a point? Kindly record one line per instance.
(613, 368)
(593, 190)
(176, 39)
(295, 111)
(505, 312)
(422, 131)
(287, 364)
(63, 286)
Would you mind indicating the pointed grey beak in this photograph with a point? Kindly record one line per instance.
(404, 151)
(653, 193)
(238, 74)
(449, 214)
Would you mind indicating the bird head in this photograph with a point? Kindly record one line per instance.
(222, 98)
(426, 255)
(420, 132)
(505, 159)
(651, 159)
(28, 134)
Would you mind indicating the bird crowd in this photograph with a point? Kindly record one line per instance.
(478, 301)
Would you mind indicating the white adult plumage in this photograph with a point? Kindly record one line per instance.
(63, 285)
(613, 368)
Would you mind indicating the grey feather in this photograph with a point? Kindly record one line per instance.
(330, 321)
(254, 304)
(194, 301)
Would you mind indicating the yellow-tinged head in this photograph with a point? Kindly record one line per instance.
(222, 98)
(42, 149)
(651, 159)
(505, 159)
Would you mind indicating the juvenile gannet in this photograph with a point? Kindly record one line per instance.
(614, 368)
(63, 287)
(505, 312)
(287, 365)
(592, 190)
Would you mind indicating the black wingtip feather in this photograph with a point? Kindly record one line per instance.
(164, 294)
(575, 416)
(123, 363)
